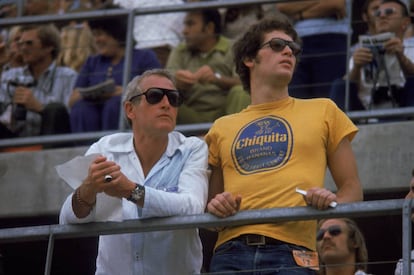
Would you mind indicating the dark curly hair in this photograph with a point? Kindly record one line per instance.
(247, 46)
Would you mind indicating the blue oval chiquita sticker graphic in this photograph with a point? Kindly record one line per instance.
(263, 144)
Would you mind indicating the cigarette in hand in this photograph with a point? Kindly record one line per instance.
(333, 204)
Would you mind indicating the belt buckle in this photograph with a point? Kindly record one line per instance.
(255, 240)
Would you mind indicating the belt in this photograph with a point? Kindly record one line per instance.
(254, 239)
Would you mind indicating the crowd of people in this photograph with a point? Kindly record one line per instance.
(197, 47)
(257, 89)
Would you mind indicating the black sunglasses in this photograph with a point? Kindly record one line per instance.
(385, 12)
(334, 230)
(155, 95)
(278, 44)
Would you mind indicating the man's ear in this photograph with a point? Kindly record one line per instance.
(210, 27)
(248, 62)
(405, 24)
(129, 110)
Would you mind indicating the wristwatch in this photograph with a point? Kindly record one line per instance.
(137, 194)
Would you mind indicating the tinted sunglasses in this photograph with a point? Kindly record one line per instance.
(334, 231)
(155, 95)
(385, 12)
(278, 44)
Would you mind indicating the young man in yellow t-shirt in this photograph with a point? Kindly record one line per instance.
(259, 156)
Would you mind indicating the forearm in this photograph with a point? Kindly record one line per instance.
(226, 82)
(350, 191)
(295, 8)
(83, 201)
(406, 65)
(324, 9)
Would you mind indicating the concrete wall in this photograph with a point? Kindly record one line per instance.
(30, 186)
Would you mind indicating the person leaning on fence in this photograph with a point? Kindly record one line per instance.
(204, 70)
(260, 155)
(341, 247)
(34, 98)
(153, 172)
(410, 195)
(381, 73)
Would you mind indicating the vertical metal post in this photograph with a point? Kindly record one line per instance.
(348, 47)
(49, 255)
(129, 47)
(406, 240)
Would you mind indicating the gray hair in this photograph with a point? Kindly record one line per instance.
(133, 88)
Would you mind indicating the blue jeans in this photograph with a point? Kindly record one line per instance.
(236, 257)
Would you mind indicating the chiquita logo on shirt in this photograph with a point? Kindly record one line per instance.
(263, 144)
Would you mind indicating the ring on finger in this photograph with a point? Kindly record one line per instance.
(108, 178)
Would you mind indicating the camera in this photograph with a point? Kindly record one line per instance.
(19, 111)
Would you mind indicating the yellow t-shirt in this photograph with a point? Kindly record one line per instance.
(268, 150)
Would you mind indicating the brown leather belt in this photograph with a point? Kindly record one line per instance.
(254, 240)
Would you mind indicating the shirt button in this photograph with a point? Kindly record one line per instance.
(137, 256)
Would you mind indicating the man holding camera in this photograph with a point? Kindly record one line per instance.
(382, 69)
(34, 97)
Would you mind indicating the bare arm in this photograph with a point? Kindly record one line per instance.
(220, 203)
(342, 165)
(314, 9)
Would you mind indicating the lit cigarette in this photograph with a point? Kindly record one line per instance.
(333, 204)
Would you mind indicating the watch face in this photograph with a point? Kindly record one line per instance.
(137, 193)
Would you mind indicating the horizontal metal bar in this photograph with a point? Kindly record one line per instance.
(273, 215)
(381, 113)
(88, 15)
(188, 130)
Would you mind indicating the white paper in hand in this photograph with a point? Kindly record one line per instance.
(75, 171)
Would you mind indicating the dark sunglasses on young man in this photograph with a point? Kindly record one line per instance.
(278, 44)
(155, 95)
(385, 12)
(334, 231)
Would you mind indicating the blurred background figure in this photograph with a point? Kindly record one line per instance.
(78, 44)
(323, 27)
(204, 69)
(159, 32)
(102, 112)
(35, 97)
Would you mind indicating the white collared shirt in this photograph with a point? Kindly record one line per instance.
(176, 185)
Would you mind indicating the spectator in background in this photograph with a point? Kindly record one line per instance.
(155, 172)
(323, 27)
(77, 45)
(159, 32)
(103, 112)
(15, 58)
(12, 56)
(259, 156)
(381, 76)
(237, 19)
(204, 69)
(35, 97)
(341, 247)
(410, 195)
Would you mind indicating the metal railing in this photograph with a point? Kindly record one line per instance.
(350, 210)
